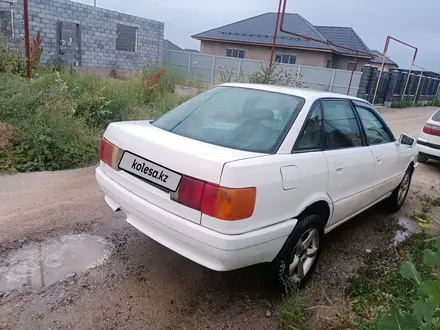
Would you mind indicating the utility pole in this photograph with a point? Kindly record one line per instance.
(26, 40)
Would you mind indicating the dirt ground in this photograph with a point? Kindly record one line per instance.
(143, 285)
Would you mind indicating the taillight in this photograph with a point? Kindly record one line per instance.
(109, 153)
(189, 193)
(228, 203)
(431, 129)
(219, 202)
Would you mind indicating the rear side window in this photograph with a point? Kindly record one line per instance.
(436, 116)
(311, 136)
(375, 129)
(341, 127)
(233, 117)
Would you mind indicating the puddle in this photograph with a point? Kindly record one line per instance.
(40, 265)
(407, 227)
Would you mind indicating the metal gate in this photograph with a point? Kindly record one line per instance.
(69, 44)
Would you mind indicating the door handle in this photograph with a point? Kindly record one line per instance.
(378, 159)
(339, 166)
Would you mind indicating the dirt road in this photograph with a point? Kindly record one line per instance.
(140, 284)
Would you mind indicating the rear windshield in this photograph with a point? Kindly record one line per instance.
(238, 118)
(436, 116)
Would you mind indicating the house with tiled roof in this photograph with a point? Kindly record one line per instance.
(252, 38)
(377, 61)
(168, 45)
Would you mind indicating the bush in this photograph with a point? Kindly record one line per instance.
(10, 61)
(55, 121)
(274, 75)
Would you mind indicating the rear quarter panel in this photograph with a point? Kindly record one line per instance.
(273, 204)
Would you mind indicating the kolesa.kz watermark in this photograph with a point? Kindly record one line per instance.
(149, 171)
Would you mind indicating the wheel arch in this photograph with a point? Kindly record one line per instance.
(411, 166)
(321, 208)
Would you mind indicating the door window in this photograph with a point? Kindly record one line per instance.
(375, 129)
(311, 136)
(340, 125)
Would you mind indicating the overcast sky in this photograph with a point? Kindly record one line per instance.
(415, 22)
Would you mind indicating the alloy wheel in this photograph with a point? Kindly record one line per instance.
(304, 255)
(403, 189)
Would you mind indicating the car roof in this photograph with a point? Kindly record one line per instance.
(309, 94)
(431, 119)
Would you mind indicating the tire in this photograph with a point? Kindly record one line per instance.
(310, 229)
(398, 196)
(422, 158)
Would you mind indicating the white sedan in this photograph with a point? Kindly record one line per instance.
(245, 174)
(428, 141)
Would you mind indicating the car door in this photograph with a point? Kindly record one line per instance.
(349, 160)
(388, 166)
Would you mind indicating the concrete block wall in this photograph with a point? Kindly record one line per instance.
(97, 26)
(365, 81)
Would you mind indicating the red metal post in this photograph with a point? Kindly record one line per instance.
(26, 40)
(352, 73)
(275, 34)
(410, 69)
(384, 55)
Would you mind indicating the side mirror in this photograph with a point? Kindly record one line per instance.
(406, 140)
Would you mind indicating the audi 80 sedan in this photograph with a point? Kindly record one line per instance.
(245, 174)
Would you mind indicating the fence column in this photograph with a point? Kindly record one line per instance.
(363, 84)
(394, 75)
(213, 70)
(418, 89)
(189, 66)
(438, 90)
(372, 84)
(239, 69)
(298, 76)
(332, 81)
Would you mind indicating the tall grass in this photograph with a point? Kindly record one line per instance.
(55, 121)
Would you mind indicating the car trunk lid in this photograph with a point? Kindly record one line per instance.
(152, 161)
(432, 131)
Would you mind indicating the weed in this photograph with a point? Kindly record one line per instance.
(35, 52)
(423, 313)
(423, 221)
(336, 315)
(293, 311)
(401, 104)
(378, 284)
(435, 103)
(435, 202)
(113, 73)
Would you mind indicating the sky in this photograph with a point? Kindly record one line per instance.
(415, 23)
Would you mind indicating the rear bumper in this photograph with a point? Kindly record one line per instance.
(204, 246)
(428, 149)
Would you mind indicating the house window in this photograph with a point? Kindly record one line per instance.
(232, 52)
(126, 38)
(351, 66)
(285, 58)
(6, 22)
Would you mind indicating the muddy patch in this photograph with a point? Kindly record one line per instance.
(40, 265)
